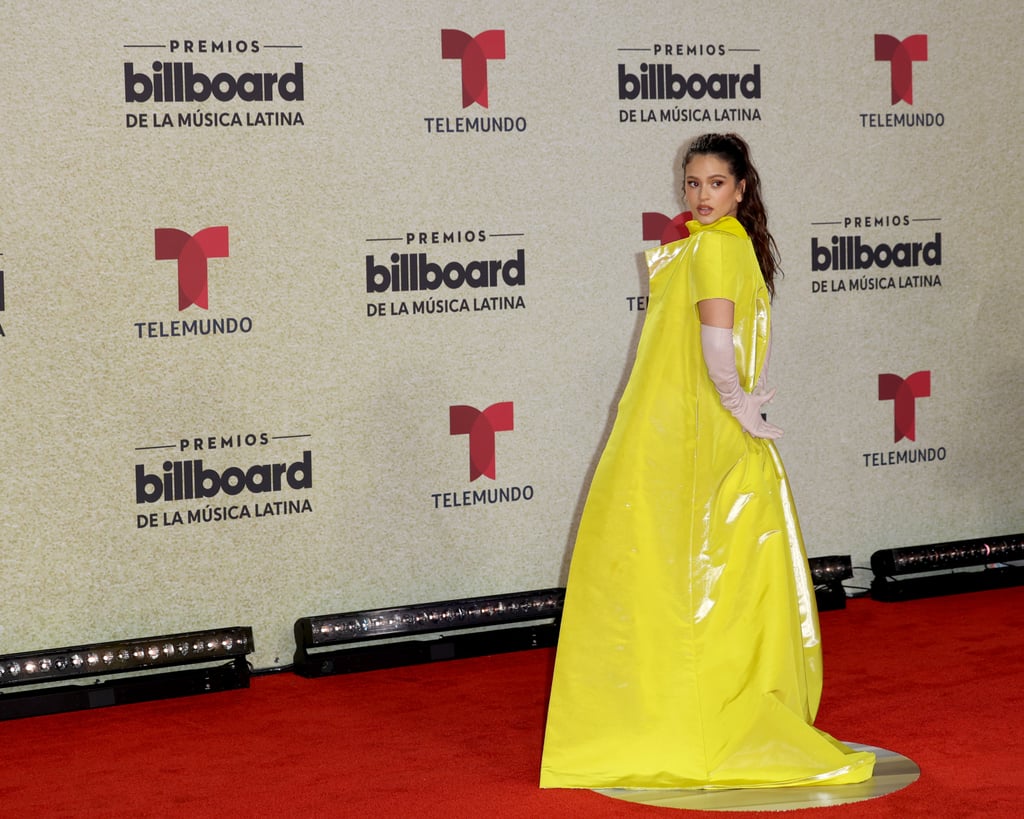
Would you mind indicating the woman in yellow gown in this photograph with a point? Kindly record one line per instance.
(689, 653)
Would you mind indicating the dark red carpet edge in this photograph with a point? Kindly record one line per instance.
(938, 680)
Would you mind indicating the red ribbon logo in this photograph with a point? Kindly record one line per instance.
(658, 227)
(901, 56)
(903, 392)
(474, 52)
(192, 253)
(480, 427)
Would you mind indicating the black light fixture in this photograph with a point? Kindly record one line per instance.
(46, 670)
(931, 570)
(409, 635)
(827, 575)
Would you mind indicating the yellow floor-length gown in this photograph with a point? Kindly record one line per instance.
(689, 652)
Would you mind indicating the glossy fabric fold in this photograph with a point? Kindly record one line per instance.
(689, 652)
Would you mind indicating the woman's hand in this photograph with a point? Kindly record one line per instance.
(720, 358)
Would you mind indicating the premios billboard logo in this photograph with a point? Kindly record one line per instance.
(191, 253)
(888, 253)
(474, 55)
(480, 428)
(218, 479)
(445, 272)
(901, 55)
(212, 83)
(905, 393)
(694, 81)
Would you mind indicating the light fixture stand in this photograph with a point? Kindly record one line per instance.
(952, 567)
(34, 683)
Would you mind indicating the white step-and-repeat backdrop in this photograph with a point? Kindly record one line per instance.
(324, 306)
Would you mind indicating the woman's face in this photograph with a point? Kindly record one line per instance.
(710, 189)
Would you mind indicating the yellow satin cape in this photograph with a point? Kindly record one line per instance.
(689, 652)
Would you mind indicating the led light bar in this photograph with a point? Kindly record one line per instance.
(827, 575)
(935, 564)
(830, 569)
(111, 661)
(124, 655)
(421, 633)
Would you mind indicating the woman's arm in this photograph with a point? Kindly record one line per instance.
(716, 312)
(716, 320)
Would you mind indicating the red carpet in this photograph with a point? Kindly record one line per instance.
(937, 680)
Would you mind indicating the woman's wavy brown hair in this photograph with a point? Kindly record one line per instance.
(734, 151)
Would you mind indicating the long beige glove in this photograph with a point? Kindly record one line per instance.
(720, 357)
